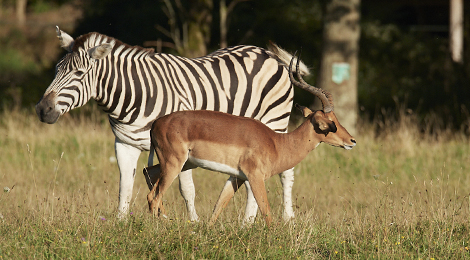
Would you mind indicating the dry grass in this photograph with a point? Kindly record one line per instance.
(399, 194)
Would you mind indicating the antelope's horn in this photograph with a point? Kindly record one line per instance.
(324, 96)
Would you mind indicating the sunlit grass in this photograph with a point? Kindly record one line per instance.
(397, 194)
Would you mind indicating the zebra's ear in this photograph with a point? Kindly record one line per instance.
(66, 41)
(101, 51)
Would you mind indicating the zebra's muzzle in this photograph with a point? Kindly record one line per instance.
(45, 109)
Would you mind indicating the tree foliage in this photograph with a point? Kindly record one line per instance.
(400, 67)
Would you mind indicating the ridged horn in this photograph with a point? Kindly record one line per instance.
(325, 97)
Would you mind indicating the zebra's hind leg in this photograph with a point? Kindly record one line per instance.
(188, 192)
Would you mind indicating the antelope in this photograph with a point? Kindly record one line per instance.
(238, 146)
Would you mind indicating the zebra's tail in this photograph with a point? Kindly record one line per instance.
(283, 57)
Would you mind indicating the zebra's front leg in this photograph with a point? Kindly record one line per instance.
(287, 181)
(188, 192)
(127, 157)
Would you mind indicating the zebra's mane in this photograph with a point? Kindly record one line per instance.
(93, 39)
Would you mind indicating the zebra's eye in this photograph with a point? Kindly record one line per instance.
(79, 73)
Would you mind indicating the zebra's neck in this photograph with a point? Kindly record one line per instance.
(123, 89)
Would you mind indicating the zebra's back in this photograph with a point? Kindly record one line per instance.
(135, 86)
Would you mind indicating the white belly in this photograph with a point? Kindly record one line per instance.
(218, 167)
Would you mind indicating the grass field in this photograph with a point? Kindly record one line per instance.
(400, 194)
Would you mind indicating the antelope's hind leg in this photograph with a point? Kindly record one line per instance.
(169, 170)
(152, 175)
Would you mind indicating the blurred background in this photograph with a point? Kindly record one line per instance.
(380, 58)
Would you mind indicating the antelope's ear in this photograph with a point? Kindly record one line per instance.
(101, 51)
(304, 110)
(324, 123)
(66, 41)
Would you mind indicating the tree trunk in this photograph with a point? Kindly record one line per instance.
(456, 30)
(339, 64)
(223, 24)
(21, 12)
(199, 28)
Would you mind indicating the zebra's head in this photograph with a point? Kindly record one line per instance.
(75, 77)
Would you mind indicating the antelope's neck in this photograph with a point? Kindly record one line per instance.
(293, 147)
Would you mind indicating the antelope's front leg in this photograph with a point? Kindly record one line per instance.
(231, 186)
(259, 192)
(127, 157)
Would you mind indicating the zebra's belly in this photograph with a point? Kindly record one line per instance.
(140, 139)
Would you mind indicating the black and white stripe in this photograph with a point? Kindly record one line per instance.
(135, 86)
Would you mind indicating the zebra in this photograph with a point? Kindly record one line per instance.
(135, 86)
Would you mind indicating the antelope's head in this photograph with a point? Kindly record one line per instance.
(324, 121)
(75, 77)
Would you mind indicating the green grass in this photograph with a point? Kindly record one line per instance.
(400, 194)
